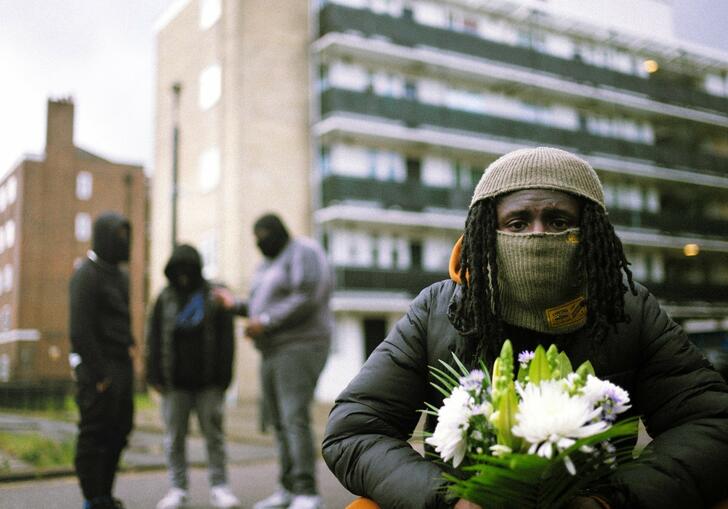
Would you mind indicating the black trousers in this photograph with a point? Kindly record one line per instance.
(104, 427)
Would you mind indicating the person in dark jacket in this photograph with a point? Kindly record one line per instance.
(538, 263)
(101, 343)
(190, 349)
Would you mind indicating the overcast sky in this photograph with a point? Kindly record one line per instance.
(101, 52)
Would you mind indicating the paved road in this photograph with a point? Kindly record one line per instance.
(142, 490)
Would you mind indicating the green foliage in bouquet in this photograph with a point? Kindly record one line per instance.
(535, 439)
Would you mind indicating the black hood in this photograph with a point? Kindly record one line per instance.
(271, 235)
(185, 260)
(107, 243)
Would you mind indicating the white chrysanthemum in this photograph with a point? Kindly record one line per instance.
(449, 437)
(598, 391)
(548, 417)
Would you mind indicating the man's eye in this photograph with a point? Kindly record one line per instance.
(516, 225)
(561, 224)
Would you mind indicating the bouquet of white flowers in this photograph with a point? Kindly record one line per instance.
(532, 440)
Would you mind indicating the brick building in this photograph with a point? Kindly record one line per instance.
(47, 208)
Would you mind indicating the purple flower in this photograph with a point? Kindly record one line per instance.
(526, 356)
(473, 381)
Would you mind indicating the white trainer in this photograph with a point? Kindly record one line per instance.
(174, 499)
(306, 502)
(278, 500)
(222, 497)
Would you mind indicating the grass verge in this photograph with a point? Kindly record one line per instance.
(37, 450)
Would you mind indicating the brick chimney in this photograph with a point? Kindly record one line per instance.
(59, 128)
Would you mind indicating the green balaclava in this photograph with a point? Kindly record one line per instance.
(540, 288)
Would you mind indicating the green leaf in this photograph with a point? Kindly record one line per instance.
(585, 369)
(551, 354)
(507, 409)
(564, 365)
(539, 369)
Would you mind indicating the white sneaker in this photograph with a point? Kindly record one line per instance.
(280, 499)
(306, 502)
(221, 496)
(174, 499)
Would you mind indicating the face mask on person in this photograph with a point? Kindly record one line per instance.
(270, 244)
(540, 288)
(121, 245)
(186, 277)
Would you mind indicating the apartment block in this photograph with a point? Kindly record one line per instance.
(367, 123)
(47, 207)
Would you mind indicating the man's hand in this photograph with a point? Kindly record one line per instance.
(466, 504)
(224, 297)
(255, 328)
(103, 385)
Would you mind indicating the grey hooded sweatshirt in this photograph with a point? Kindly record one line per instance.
(290, 294)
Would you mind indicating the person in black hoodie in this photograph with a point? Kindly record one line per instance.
(190, 347)
(101, 343)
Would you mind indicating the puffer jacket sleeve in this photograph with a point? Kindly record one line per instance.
(365, 443)
(685, 408)
(153, 345)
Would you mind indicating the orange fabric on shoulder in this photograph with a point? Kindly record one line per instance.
(363, 503)
(454, 265)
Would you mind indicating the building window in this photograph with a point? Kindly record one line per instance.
(210, 11)
(8, 277)
(3, 199)
(2, 240)
(12, 190)
(5, 317)
(83, 227)
(208, 169)
(9, 234)
(325, 162)
(208, 251)
(84, 185)
(4, 367)
(210, 86)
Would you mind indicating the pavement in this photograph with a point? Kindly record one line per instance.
(143, 479)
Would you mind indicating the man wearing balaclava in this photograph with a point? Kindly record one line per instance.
(538, 263)
(190, 348)
(101, 341)
(290, 323)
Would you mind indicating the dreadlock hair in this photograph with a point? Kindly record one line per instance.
(601, 261)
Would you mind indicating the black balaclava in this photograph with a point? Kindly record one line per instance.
(184, 269)
(272, 235)
(112, 238)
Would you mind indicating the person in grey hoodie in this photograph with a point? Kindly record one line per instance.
(290, 323)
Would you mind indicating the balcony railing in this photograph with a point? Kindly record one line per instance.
(411, 281)
(669, 221)
(414, 113)
(406, 32)
(681, 292)
(415, 280)
(416, 196)
(408, 195)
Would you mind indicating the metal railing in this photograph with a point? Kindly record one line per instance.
(413, 113)
(406, 32)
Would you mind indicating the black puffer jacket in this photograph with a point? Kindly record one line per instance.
(217, 336)
(682, 400)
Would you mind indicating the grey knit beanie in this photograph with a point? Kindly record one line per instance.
(539, 168)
